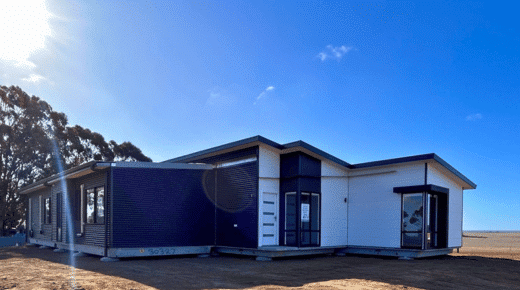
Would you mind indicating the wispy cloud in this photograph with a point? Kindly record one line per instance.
(263, 93)
(220, 97)
(474, 117)
(334, 52)
(33, 78)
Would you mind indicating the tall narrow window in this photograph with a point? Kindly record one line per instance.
(82, 206)
(47, 211)
(100, 206)
(290, 219)
(91, 200)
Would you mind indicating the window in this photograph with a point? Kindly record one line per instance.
(47, 211)
(100, 207)
(95, 205)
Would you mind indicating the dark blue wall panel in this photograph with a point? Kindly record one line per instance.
(310, 184)
(237, 206)
(290, 165)
(309, 166)
(161, 207)
(299, 164)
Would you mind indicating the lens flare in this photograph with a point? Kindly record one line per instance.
(68, 214)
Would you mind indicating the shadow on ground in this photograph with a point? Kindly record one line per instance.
(446, 272)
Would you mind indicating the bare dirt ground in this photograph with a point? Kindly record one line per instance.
(487, 261)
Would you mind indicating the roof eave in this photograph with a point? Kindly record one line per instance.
(74, 172)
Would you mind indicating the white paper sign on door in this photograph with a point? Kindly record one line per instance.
(305, 212)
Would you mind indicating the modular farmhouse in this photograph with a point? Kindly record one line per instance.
(252, 197)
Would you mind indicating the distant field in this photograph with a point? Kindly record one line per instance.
(487, 261)
(492, 239)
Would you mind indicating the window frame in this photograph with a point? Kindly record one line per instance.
(47, 213)
(95, 213)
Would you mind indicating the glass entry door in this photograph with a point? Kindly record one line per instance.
(310, 221)
(412, 221)
(423, 224)
(302, 219)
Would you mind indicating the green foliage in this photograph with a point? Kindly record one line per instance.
(29, 130)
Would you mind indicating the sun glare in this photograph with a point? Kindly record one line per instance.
(24, 25)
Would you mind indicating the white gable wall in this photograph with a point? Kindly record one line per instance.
(438, 175)
(374, 209)
(269, 181)
(334, 213)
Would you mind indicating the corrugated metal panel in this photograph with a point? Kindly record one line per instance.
(160, 208)
(252, 151)
(108, 209)
(236, 198)
(94, 234)
(37, 208)
(237, 205)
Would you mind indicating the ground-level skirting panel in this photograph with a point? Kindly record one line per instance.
(275, 252)
(87, 249)
(42, 242)
(157, 251)
(262, 252)
(395, 252)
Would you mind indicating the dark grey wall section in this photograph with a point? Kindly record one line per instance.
(94, 234)
(161, 208)
(35, 215)
(299, 173)
(41, 231)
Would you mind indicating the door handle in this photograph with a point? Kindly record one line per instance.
(274, 218)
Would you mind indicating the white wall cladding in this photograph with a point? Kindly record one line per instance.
(269, 163)
(375, 210)
(334, 214)
(269, 181)
(438, 175)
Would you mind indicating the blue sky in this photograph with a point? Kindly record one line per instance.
(362, 81)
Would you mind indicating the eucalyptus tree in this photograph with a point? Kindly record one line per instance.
(33, 139)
